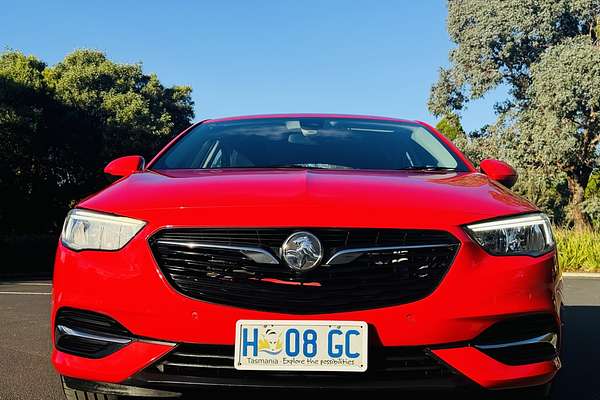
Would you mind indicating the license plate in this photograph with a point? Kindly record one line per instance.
(301, 345)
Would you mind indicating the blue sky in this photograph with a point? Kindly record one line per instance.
(249, 57)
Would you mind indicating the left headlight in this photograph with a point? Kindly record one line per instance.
(89, 230)
(523, 235)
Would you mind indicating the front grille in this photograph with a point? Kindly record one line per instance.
(372, 280)
(388, 367)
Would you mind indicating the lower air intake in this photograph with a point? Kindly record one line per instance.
(88, 334)
(521, 340)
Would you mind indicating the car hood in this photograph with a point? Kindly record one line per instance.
(301, 197)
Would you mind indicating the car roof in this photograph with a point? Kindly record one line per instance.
(309, 115)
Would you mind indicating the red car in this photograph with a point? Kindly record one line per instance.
(305, 251)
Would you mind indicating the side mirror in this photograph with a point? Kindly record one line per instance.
(499, 171)
(124, 166)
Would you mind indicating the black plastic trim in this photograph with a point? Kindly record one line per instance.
(115, 389)
(89, 323)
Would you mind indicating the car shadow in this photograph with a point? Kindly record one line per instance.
(579, 377)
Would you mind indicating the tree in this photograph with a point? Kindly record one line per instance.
(561, 120)
(60, 125)
(545, 53)
(23, 161)
(135, 111)
(450, 126)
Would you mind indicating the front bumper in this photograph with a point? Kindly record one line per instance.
(478, 291)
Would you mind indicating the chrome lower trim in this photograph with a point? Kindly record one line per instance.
(66, 331)
(349, 255)
(256, 254)
(194, 355)
(188, 365)
(160, 342)
(550, 338)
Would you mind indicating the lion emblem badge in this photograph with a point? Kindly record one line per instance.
(302, 251)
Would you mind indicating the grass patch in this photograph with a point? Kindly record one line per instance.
(578, 250)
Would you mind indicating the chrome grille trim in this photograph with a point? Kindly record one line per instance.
(349, 255)
(256, 254)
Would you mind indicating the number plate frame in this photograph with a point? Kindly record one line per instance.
(272, 353)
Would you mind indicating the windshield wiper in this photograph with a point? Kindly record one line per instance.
(310, 166)
(426, 168)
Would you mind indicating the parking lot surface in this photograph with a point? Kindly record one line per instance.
(26, 372)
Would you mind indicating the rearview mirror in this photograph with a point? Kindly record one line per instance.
(124, 166)
(499, 171)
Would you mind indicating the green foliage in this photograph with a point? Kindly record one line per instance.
(578, 250)
(591, 206)
(546, 53)
(447, 94)
(450, 126)
(593, 187)
(564, 99)
(547, 190)
(135, 109)
(60, 125)
(497, 42)
(592, 200)
(24, 161)
(549, 193)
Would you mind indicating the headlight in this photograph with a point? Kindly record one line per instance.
(88, 230)
(529, 235)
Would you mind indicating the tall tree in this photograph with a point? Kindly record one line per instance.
(561, 120)
(23, 138)
(60, 125)
(545, 53)
(134, 110)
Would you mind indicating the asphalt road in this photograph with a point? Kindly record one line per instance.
(26, 373)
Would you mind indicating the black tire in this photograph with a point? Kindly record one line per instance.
(71, 394)
(531, 393)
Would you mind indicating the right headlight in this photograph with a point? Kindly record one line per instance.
(91, 230)
(522, 235)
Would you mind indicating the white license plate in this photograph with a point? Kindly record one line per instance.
(301, 345)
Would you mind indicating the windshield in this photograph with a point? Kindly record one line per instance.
(323, 143)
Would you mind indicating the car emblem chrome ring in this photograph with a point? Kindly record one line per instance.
(302, 251)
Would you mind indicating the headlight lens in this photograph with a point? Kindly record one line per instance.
(529, 235)
(88, 230)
